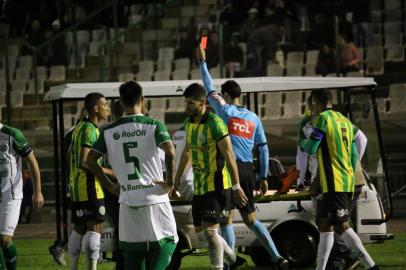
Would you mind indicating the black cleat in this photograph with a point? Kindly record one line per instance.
(375, 267)
(238, 262)
(58, 254)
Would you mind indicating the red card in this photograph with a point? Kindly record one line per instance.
(203, 42)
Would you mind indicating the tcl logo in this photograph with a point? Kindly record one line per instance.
(241, 127)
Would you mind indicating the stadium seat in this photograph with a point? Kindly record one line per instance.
(94, 48)
(31, 87)
(134, 19)
(195, 74)
(374, 60)
(170, 23)
(157, 114)
(375, 5)
(377, 40)
(243, 46)
(165, 35)
(146, 66)
(274, 70)
(355, 74)
(376, 16)
(143, 76)
(292, 107)
(392, 15)
(120, 34)
(215, 72)
(312, 56)
(294, 58)
(182, 63)
(162, 75)
(2, 75)
(13, 51)
(83, 38)
(271, 109)
(149, 35)
(294, 70)
(23, 73)
(176, 104)
(310, 70)
(375, 27)
(17, 98)
(18, 85)
(131, 49)
(2, 98)
(123, 77)
(180, 74)
(166, 53)
(202, 10)
(57, 73)
(136, 9)
(164, 65)
(397, 97)
(188, 11)
(42, 72)
(207, 2)
(25, 61)
(99, 35)
(395, 54)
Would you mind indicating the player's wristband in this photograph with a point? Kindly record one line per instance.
(236, 186)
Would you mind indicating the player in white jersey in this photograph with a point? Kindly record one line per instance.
(186, 184)
(13, 148)
(147, 230)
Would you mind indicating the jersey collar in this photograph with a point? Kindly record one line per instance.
(203, 120)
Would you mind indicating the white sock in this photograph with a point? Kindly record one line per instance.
(92, 248)
(323, 251)
(352, 240)
(74, 246)
(229, 255)
(216, 248)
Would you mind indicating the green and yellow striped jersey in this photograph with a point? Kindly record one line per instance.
(209, 170)
(83, 185)
(335, 151)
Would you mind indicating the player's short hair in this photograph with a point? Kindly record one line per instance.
(322, 96)
(91, 100)
(196, 91)
(130, 93)
(232, 88)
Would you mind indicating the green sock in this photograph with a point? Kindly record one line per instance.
(10, 255)
(2, 264)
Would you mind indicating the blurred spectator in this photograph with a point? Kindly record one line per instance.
(230, 16)
(326, 62)
(360, 23)
(15, 12)
(275, 12)
(250, 24)
(233, 56)
(57, 52)
(262, 44)
(350, 57)
(26, 203)
(213, 49)
(186, 45)
(322, 31)
(32, 39)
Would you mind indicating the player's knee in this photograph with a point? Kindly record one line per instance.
(5, 241)
(249, 219)
(340, 228)
(211, 234)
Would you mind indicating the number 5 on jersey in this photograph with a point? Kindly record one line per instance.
(128, 158)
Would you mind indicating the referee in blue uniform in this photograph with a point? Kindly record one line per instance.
(245, 130)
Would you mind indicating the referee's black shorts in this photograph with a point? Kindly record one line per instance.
(247, 183)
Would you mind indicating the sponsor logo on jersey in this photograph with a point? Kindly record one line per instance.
(3, 147)
(3, 161)
(3, 173)
(178, 138)
(136, 187)
(102, 210)
(202, 138)
(240, 127)
(134, 133)
(342, 212)
(203, 148)
(116, 135)
(79, 213)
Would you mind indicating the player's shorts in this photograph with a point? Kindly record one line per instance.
(85, 211)
(9, 214)
(334, 206)
(247, 183)
(139, 225)
(211, 207)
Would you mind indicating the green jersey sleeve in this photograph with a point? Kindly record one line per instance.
(100, 144)
(20, 143)
(218, 128)
(88, 135)
(161, 133)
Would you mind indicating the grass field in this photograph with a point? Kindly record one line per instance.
(33, 255)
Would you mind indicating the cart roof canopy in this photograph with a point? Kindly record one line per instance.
(175, 88)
